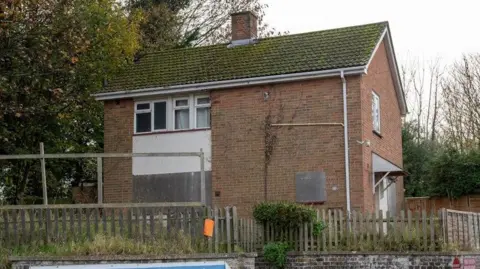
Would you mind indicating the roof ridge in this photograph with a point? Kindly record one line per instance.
(385, 23)
(329, 29)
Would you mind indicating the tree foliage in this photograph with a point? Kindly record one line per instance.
(209, 20)
(454, 173)
(53, 55)
(441, 143)
(417, 154)
(189, 23)
(438, 169)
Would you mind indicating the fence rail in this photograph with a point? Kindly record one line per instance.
(99, 157)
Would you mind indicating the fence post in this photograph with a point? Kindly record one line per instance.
(229, 229)
(215, 228)
(44, 175)
(99, 180)
(202, 178)
(424, 230)
(235, 226)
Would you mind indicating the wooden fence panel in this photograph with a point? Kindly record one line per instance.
(57, 224)
(43, 225)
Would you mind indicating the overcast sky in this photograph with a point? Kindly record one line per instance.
(423, 28)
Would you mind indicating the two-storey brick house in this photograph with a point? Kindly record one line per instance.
(263, 110)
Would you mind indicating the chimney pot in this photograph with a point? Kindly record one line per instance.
(244, 26)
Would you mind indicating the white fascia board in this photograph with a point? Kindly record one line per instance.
(392, 61)
(377, 46)
(358, 70)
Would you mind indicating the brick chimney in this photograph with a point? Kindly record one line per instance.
(244, 26)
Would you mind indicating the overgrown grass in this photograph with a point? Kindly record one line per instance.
(103, 245)
(399, 240)
(100, 245)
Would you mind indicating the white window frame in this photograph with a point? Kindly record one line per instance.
(151, 110)
(170, 113)
(142, 111)
(376, 117)
(196, 106)
(175, 108)
(153, 115)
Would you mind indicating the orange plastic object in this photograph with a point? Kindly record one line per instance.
(208, 227)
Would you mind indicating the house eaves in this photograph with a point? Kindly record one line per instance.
(227, 84)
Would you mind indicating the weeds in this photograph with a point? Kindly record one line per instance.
(174, 243)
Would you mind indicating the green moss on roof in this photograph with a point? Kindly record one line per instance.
(314, 51)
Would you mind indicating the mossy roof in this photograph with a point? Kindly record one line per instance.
(298, 53)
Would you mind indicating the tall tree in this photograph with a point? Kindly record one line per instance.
(423, 86)
(53, 55)
(188, 23)
(209, 20)
(461, 95)
(161, 27)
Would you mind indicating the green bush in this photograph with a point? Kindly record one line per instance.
(287, 215)
(283, 214)
(276, 254)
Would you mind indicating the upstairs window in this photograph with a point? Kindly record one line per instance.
(177, 113)
(143, 118)
(202, 110)
(181, 114)
(150, 115)
(160, 116)
(376, 112)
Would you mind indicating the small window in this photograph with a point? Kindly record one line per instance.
(376, 112)
(145, 106)
(143, 118)
(202, 110)
(160, 115)
(181, 114)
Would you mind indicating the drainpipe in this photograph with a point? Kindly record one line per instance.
(345, 137)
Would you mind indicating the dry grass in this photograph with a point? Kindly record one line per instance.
(106, 245)
(175, 243)
(407, 240)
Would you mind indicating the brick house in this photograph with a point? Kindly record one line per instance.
(263, 110)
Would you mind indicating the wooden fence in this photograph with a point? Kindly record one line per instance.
(406, 231)
(468, 203)
(418, 231)
(462, 229)
(41, 225)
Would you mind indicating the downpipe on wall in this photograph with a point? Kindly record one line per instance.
(345, 137)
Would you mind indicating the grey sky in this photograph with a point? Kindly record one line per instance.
(420, 28)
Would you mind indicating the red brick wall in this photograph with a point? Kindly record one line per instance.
(118, 131)
(238, 141)
(244, 26)
(389, 144)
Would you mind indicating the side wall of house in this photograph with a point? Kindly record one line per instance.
(118, 131)
(244, 146)
(388, 145)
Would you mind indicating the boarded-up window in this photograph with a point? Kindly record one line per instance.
(310, 187)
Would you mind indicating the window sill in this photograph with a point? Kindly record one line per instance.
(378, 134)
(172, 131)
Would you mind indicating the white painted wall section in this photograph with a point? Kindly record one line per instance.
(191, 141)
